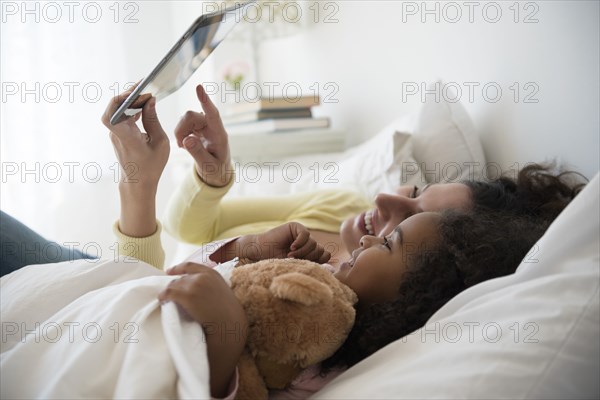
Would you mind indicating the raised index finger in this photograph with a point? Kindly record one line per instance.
(208, 106)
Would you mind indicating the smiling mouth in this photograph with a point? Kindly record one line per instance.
(368, 222)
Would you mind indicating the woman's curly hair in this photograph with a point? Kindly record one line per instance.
(539, 190)
(473, 247)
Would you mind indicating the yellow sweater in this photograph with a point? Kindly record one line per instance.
(197, 215)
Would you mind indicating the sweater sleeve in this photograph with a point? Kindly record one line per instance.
(148, 249)
(197, 213)
(194, 210)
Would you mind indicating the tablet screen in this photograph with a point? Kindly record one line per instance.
(183, 59)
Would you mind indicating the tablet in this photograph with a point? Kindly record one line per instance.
(183, 59)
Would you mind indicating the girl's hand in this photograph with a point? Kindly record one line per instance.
(203, 294)
(205, 138)
(142, 156)
(291, 240)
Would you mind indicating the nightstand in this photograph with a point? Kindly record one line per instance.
(278, 145)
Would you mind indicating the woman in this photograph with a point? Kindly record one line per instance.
(197, 214)
(390, 273)
(401, 276)
(374, 271)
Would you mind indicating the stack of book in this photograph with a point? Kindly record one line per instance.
(274, 114)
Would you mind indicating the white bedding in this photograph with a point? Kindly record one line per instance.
(533, 334)
(530, 335)
(101, 333)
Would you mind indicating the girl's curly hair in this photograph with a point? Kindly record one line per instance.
(473, 247)
(508, 217)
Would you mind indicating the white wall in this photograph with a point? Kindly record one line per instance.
(39, 132)
(367, 55)
(378, 47)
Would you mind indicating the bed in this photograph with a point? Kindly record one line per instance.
(530, 335)
(533, 334)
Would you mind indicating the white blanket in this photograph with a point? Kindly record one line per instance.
(86, 329)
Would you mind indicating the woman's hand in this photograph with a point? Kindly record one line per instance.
(204, 296)
(142, 157)
(291, 240)
(205, 138)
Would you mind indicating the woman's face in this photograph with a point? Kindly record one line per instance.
(375, 270)
(391, 209)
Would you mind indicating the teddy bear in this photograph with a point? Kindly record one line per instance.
(298, 315)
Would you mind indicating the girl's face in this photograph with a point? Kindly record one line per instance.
(375, 270)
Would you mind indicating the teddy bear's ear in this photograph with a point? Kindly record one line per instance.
(300, 288)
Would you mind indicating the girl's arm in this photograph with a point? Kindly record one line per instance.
(290, 240)
(205, 296)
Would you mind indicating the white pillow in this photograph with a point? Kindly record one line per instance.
(530, 335)
(381, 164)
(444, 147)
(445, 142)
(437, 144)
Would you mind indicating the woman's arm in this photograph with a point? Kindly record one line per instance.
(193, 208)
(196, 213)
(142, 157)
(205, 138)
(138, 210)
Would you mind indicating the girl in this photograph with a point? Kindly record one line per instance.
(401, 280)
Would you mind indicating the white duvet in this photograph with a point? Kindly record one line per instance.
(96, 329)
